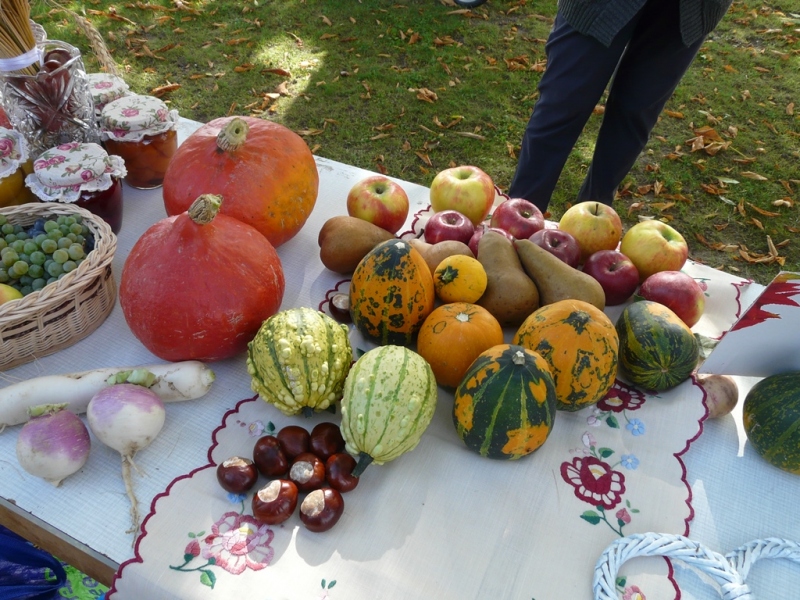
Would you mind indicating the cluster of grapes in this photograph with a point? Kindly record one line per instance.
(32, 257)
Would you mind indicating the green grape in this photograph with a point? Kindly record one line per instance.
(10, 257)
(21, 235)
(61, 219)
(80, 239)
(40, 238)
(25, 280)
(38, 257)
(3, 220)
(18, 246)
(76, 228)
(35, 270)
(55, 269)
(7, 228)
(54, 235)
(50, 226)
(61, 256)
(49, 246)
(10, 238)
(72, 237)
(4, 276)
(25, 290)
(38, 284)
(3, 243)
(76, 252)
(21, 267)
(64, 242)
(29, 247)
(64, 229)
(24, 256)
(51, 280)
(70, 265)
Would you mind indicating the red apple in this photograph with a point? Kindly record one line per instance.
(519, 217)
(677, 291)
(654, 246)
(596, 226)
(615, 273)
(466, 189)
(379, 200)
(448, 225)
(479, 231)
(560, 244)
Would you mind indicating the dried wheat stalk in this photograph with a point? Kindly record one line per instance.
(97, 43)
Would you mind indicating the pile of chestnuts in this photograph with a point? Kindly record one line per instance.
(295, 461)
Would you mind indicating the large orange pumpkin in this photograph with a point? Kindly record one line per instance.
(265, 173)
(453, 336)
(581, 345)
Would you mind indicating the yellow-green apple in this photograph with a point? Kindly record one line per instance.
(615, 273)
(479, 231)
(379, 200)
(654, 246)
(677, 291)
(448, 225)
(519, 217)
(596, 226)
(8, 293)
(467, 189)
(558, 243)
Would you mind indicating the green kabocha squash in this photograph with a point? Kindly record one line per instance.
(388, 402)
(657, 351)
(505, 406)
(771, 419)
(299, 359)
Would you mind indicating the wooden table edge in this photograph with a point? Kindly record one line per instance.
(62, 546)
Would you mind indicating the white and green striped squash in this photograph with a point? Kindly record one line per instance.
(388, 402)
(299, 360)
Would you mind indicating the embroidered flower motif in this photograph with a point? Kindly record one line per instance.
(161, 115)
(68, 146)
(6, 147)
(588, 440)
(623, 515)
(629, 461)
(636, 427)
(621, 397)
(130, 112)
(119, 132)
(87, 175)
(238, 542)
(633, 593)
(103, 85)
(192, 549)
(594, 481)
(255, 429)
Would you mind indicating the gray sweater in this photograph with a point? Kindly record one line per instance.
(602, 19)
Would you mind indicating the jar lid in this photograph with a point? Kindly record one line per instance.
(105, 88)
(63, 173)
(13, 151)
(133, 117)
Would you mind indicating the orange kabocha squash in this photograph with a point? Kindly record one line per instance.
(264, 171)
(581, 345)
(453, 336)
(391, 293)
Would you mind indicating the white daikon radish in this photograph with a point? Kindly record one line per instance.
(173, 382)
(127, 418)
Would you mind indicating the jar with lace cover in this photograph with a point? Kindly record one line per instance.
(84, 174)
(14, 166)
(105, 88)
(142, 130)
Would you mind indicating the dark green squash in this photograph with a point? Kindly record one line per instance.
(506, 404)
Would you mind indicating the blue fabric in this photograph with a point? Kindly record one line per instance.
(27, 573)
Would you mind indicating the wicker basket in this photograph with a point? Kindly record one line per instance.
(66, 310)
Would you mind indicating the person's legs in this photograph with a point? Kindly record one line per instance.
(648, 73)
(578, 70)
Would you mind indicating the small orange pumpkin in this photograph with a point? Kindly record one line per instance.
(453, 336)
(264, 171)
(391, 293)
(581, 345)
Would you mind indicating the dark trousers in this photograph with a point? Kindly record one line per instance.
(647, 60)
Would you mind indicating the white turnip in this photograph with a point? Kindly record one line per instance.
(722, 394)
(173, 382)
(127, 418)
(53, 444)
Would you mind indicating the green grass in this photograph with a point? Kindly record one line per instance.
(349, 76)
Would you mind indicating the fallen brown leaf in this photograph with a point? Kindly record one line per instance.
(754, 176)
(164, 89)
(674, 114)
(426, 95)
(763, 212)
(424, 158)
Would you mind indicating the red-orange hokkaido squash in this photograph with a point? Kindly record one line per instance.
(200, 284)
(264, 171)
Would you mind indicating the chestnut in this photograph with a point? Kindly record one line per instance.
(326, 440)
(269, 458)
(294, 440)
(339, 306)
(275, 502)
(307, 471)
(321, 509)
(339, 472)
(237, 475)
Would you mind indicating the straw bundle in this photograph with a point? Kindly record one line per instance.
(16, 33)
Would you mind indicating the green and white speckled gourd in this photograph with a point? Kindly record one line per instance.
(388, 402)
(299, 359)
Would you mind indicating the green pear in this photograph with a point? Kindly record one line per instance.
(8, 293)
(555, 279)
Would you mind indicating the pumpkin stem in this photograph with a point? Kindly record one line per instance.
(308, 412)
(233, 135)
(518, 358)
(205, 208)
(364, 461)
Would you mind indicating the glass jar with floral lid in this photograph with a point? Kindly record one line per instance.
(142, 130)
(83, 173)
(105, 88)
(15, 164)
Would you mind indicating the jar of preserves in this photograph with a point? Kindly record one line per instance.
(83, 173)
(105, 88)
(14, 166)
(142, 130)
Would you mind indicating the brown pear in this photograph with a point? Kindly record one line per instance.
(555, 279)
